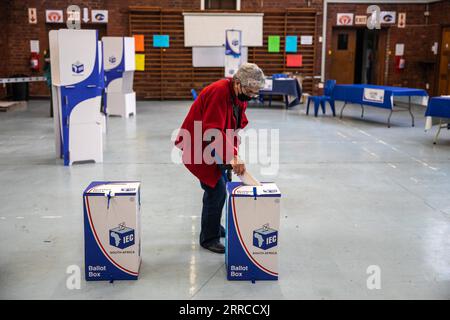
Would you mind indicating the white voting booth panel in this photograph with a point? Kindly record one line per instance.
(82, 129)
(76, 86)
(72, 49)
(101, 71)
(122, 104)
(252, 224)
(112, 230)
(119, 61)
(117, 48)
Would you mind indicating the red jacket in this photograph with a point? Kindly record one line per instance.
(214, 109)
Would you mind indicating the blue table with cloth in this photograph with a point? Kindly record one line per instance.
(376, 96)
(287, 87)
(438, 112)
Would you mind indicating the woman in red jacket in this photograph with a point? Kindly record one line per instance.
(218, 111)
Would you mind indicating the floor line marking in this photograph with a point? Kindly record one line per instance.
(341, 135)
(363, 132)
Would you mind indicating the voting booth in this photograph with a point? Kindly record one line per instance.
(102, 88)
(75, 57)
(119, 63)
(252, 222)
(112, 230)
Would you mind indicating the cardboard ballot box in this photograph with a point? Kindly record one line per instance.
(252, 222)
(112, 230)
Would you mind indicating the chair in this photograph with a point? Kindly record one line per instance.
(194, 94)
(322, 100)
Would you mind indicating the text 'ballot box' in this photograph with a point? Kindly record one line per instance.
(112, 230)
(253, 221)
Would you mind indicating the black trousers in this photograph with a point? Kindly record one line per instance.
(213, 201)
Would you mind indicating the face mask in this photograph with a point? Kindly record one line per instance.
(243, 97)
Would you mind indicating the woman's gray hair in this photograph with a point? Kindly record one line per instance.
(250, 75)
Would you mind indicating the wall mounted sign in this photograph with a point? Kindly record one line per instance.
(306, 40)
(140, 61)
(399, 49)
(345, 19)
(233, 41)
(85, 15)
(360, 20)
(99, 16)
(273, 43)
(161, 41)
(138, 42)
(54, 16)
(388, 17)
(291, 43)
(401, 19)
(294, 60)
(32, 17)
(34, 46)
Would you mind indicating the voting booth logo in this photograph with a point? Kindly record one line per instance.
(121, 237)
(112, 59)
(77, 68)
(265, 237)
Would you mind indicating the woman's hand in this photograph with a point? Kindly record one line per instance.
(238, 165)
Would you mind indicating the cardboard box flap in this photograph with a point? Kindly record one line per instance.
(268, 189)
(115, 187)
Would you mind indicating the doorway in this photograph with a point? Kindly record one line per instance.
(444, 63)
(358, 55)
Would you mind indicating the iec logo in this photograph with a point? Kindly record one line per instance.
(121, 237)
(112, 59)
(99, 17)
(265, 238)
(77, 67)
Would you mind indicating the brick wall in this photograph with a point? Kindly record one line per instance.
(15, 50)
(15, 55)
(440, 12)
(418, 36)
(4, 9)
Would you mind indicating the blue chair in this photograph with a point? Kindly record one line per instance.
(322, 100)
(194, 94)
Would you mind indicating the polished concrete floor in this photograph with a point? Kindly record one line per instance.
(355, 194)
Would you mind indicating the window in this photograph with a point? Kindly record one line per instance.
(342, 41)
(220, 4)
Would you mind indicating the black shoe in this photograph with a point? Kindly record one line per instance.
(222, 232)
(215, 247)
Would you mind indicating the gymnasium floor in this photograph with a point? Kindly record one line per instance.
(354, 194)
